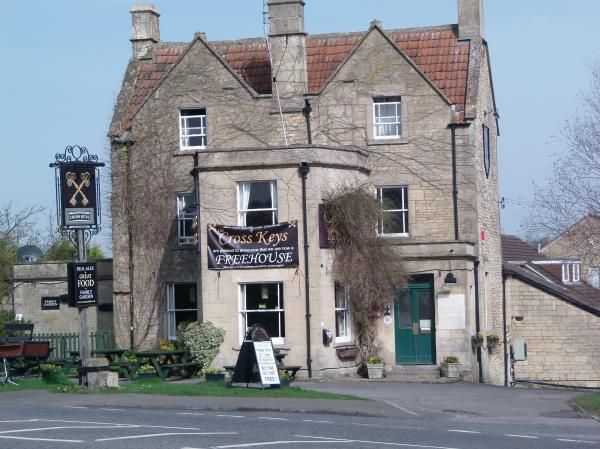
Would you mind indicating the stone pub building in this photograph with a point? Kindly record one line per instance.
(243, 133)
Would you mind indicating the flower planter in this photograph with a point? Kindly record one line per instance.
(476, 343)
(347, 353)
(214, 377)
(451, 370)
(146, 376)
(375, 370)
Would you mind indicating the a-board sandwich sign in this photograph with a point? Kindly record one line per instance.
(83, 285)
(242, 247)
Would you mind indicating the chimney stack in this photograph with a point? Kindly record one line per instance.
(470, 19)
(145, 31)
(287, 40)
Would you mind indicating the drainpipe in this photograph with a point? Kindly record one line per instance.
(504, 333)
(454, 183)
(199, 301)
(477, 323)
(307, 110)
(303, 170)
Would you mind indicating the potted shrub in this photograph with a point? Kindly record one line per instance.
(450, 367)
(212, 374)
(375, 367)
(492, 340)
(284, 378)
(477, 340)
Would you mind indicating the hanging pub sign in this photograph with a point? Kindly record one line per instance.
(51, 302)
(77, 189)
(240, 247)
(83, 286)
(78, 194)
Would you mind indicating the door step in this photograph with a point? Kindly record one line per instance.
(416, 373)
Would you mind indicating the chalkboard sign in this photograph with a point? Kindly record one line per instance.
(83, 288)
(50, 302)
(266, 362)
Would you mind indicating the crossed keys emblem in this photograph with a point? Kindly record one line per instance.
(72, 182)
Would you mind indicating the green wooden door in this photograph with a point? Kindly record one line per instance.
(415, 325)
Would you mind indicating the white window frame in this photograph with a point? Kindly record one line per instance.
(571, 272)
(345, 310)
(576, 272)
(243, 310)
(379, 122)
(186, 213)
(185, 131)
(171, 310)
(403, 210)
(243, 192)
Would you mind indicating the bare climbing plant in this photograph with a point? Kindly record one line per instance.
(369, 266)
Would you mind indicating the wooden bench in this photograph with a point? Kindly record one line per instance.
(291, 370)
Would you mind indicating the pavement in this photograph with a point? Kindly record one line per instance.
(474, 402)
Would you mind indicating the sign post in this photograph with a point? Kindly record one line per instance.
(78, 216)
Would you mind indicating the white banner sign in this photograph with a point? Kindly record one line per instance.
(266, 362)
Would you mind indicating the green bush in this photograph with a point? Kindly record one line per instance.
(202, 342)
(54, 374)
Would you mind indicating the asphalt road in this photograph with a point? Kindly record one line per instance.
(460, 416)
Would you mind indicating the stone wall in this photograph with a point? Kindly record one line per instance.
(32, 281)
(562, 340)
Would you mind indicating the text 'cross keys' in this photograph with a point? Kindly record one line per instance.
(72, 182)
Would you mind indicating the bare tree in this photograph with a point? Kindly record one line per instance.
(572, 191)
(16, 228)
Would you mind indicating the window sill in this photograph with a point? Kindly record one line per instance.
(390, 141)
(386, 236)
(184, 247)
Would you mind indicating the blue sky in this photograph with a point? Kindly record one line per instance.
(63, 62)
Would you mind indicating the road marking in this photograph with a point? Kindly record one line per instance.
(273, 419)
(462, 431)
(520, 436)
(3, 432)
(121, 425)
(401, 408)
(385, 443)
(275, 443)
(190, 413)
(231, 416)
(111, 409)
(566, 440)
(73, 406)
(19, 420)
(317, 421)
(40, 439)
(170, 434)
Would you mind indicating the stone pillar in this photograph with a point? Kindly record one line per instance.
(470, 19)
(288, 53)
(145, 30)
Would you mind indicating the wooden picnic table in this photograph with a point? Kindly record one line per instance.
(164, 362)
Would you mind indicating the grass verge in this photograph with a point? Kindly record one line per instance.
(589, 402)
(158, 387)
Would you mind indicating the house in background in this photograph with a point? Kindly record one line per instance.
(582, 242)
(245, 134)
(556, 312)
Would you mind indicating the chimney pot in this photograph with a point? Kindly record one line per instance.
(145, 30)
